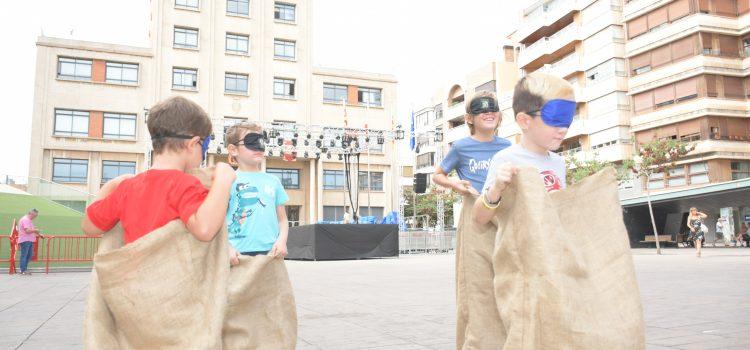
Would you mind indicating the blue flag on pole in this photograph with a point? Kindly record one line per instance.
(412, 143)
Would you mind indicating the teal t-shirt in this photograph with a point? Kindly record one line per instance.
(251, 215)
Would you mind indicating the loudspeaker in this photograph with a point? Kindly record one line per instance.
(420, 183)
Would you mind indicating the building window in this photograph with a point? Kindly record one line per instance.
(73, 68)
(283, 87)
(373, 183)
(112, 169)
(238, 7)
(188, 4)
(292, 214)
(368, 96)
(185, 37)
(740, 170)
(284, 12)
(70, 170)
(238, 43)
(333, 180)
(377, 212)
(289, 177)
(184, 78)
(333, 213)
(425, 160)
(119, 126)
(235, 83)
(698, 173)
(122, 73)
(284, 49)
(71, 123)
(335, 93)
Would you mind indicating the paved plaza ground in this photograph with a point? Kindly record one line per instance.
(408, 303)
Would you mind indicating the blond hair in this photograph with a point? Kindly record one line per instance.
(535, 89)
(235, 132)
(479, 94)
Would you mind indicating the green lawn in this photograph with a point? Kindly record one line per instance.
(54, 219)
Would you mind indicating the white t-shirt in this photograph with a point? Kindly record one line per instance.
(551, 166)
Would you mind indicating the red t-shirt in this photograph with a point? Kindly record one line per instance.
(148, 201)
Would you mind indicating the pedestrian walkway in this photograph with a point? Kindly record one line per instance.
(408, 303)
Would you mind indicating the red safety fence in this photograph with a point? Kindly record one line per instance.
(52, 250)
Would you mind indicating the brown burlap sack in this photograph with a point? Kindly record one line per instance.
(167, 290)
(475, 298)
(564, 275)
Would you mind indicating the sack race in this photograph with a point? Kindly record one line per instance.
(563, 272)
(475, 298)
(167, 290)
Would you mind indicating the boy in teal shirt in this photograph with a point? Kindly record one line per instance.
(256, 218)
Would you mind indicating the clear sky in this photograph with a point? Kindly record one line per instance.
(424, 43)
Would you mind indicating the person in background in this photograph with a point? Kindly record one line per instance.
(471, 155)
(27, 235)
(695, 221)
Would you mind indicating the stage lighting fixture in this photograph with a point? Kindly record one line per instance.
(280, 141)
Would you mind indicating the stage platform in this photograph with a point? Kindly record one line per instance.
(337, 242)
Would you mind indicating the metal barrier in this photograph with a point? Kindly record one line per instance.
(419, 242)
(54, 250)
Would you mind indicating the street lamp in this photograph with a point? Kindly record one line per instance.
(399, 133)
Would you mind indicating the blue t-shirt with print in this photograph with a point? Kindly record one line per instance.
(471, 159)
(251, 216)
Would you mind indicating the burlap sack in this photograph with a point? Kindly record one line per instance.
(167, 290)
(564, 275)
(475, 298)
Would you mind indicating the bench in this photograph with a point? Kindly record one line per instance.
(665, 239)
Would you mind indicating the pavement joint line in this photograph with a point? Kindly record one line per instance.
(27, 298)
(49, 318)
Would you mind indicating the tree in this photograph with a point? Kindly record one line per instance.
(427, 204)
(657, 156)
(577, 170)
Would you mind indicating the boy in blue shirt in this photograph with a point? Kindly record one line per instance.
(471, 155)
(256, 218)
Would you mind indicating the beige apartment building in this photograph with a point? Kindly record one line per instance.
(583, 42)
(688, 77)
(240, 60)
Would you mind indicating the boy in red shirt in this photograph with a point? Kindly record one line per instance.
(180, 132)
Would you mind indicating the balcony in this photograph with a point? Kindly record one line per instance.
(578, 128)
(613, 153)
(536, 19)
(455, 111)
(456, 133)
(549, 45)
(685, 69)
(735, 147)
(689, 110)
(564, 67)
(684, 27)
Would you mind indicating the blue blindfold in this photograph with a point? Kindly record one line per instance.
(558, 113)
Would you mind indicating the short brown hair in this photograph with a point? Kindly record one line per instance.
(468, 108)
(176, 116)
(234, 133)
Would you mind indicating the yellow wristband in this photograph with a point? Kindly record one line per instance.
(486, 203)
